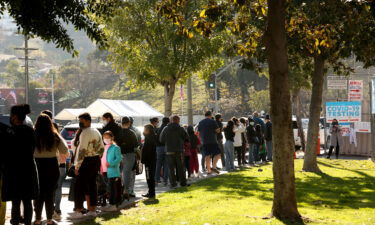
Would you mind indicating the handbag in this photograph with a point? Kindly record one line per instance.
(72, 169)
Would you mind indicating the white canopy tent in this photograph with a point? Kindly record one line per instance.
(69, 114)
(139, 110)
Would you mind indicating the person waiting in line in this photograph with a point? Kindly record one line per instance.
(239, 129)
(112, 162)
(49, 145)
(336, 139)
(219, 121)
(268, 137)
(260, 146)
(253, 141)
(87, 166)
(194, 145)
(161, 160)
(229, 133)
(20, 176)
(174, 137)
(109, 124)
(244, 141)
(129, 158)
(149, 158)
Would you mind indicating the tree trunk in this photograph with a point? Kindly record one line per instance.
(284, 201)
(169, 90)
(298, 112)
(310, 163)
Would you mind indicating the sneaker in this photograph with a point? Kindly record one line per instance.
(56, 216)
(91, 214)
(110, 208)
(76, 215)
(215, 170)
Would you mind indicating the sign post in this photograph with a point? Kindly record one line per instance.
(372, 95)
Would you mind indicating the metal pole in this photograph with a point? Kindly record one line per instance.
(53, 94)
(372, 114)
(189, 102)
(216, 102)
(26, 70)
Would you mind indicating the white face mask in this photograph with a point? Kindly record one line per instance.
(252, 123)
(107, 141)
(105, 122)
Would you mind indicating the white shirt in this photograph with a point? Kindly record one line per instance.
(238, 130)
(90, 144)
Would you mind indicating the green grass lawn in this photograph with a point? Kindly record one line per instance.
(344, 194)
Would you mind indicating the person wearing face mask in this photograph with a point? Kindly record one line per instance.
(87, 166)
(109, 124)
(253, 141)
(112, 163)
(336, 139)
(20, 176)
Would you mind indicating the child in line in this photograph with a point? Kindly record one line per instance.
(113, 160)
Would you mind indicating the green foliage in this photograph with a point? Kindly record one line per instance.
(13, 77)
(260, 100)
(344, 194)
(47, 18)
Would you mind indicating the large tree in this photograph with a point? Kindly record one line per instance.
(151, 51)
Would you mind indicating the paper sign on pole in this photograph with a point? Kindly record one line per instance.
(355, 91)
(362, 127)
(344, 111)
(337, 83)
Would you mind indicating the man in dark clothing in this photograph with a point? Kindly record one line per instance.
(174, 137)
(136, 131)
(149, 158)
(220, 137)
(155, 123)
(268, 137)
(161, 161)
(110, 125)
(258, 120)
(128, 152)
(208, 129)
(252, 140)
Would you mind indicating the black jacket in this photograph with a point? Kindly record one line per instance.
(268, 131)
(174, 137)
(229, 134)
(130, 141)
(116, 131)
(20, 176)
(251, 135)
(149, 149)
(219, 135)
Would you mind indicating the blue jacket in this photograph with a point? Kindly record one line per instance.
(114, 159)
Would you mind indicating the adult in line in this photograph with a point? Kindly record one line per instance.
(49, 145)
(194, 145)
(229, 132)
(336, 139)
(154, 121)
(87, 166)
(161, 158)
(244, 141)
(111, 125)
(258, 120)
(219, 121)
(208, 129)
(268, 137)
(49, 114)
(128, 157)
(253, 141)
(149, 159)
(174, 137)
(20, 180)
(238, 140)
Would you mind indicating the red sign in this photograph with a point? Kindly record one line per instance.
(355, 90)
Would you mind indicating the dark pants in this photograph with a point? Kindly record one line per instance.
(243, 153)
(187, 165)
(175, 165)
(256, 152)
(115, 191)
(221, 147)
(48, 170)
(27, 211)
(150, 177)
(86, 182)
(238, 151)
(337, 151)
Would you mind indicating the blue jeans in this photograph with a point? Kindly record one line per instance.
(269, 150)
(251, 153)
(161, 162)
(229, 155)
(58, 193)
(128, 174)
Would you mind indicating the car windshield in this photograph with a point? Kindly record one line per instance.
(69, 133)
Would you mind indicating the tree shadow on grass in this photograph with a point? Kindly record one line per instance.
(103, 218)
(151, 201)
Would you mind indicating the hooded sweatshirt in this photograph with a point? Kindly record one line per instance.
(173, 136)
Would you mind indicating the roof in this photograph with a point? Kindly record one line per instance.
(121, 108)
(69, 114)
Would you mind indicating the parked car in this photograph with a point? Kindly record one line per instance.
(296, 134)
(305, 125)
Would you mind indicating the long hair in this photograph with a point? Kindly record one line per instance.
(192, 137)
(46, 135)
(230, 125)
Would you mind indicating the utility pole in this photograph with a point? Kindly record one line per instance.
(26, 58)
(189, 102)
(372, 114)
